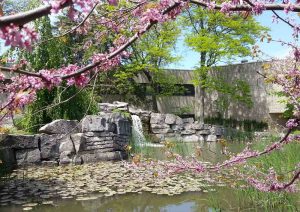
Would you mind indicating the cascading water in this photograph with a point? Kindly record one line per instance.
(138, 135)
(137, 130)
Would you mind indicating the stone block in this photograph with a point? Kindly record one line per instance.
(49, 146)
(216, 130)
(94, 123)
(157, 118)
(170, 119)
(78, 141)
(177, 127)
(211, 138)
(160, 126)
(162, 131)
(28, 156)
(179, 121)
(190, 138)
(188, 120)
(188, 132)
(61, 126)
(20, 141)
(203, 132)
(66, 144)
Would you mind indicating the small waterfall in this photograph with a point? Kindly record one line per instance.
(137, 130)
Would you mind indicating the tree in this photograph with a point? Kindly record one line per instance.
(50, 104)
(150, 55)
(16, 32)
(218, 37)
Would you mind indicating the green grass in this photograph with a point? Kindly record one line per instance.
(284, 162)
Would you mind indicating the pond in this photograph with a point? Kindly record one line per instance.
(111, 186)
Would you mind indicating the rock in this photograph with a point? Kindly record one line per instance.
(94, 123)
(190, 138)
(188, 132)
(197, 126)
(61, 126)
(108, 107)
(206, 126)
(112, 122)
(49, 146)
(20, 141)
(160, 126)
(216, 130)
(102, 156)
(179, 120)
(188, 120)
(170, 119)
(7, 156)
(50, 163)
(203, 132)
(188, 126)
(77, 160)
(211, 138)
(66, 158)
(28, 156)
(201, 138)
(157, 118)
(120, 124)
(177, 127)
(162, 131)
(78, 140)
(66, 145)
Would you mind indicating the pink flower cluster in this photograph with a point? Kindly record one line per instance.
(16, 36)
(270, 183)
(2, 77)
(292, 123)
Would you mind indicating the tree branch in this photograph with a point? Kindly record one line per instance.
(20, 19)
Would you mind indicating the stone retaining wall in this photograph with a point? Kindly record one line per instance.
(169, 126)
(95, 138)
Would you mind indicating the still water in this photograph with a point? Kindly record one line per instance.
(222, 199)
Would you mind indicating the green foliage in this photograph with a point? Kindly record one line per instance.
(148, 56)
(123, 113)
(64, 102)
(246, 125)
(218, 36)
(184, 110)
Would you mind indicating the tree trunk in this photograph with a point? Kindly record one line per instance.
(201, 97)
(155, 89)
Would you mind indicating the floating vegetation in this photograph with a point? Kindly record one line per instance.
(35, 186)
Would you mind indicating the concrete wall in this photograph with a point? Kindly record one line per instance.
(266, 106)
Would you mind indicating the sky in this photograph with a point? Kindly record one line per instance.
(189, 59)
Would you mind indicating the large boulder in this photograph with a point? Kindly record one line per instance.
(61, 126)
